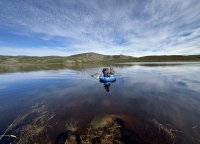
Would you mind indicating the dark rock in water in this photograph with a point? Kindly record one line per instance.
(7, 140)
(103, 130)
(68, 137)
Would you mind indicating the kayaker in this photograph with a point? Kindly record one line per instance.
(111, 72)
(105, 72)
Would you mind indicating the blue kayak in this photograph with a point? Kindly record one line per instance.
(107, 79)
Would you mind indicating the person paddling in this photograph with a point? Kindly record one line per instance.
(107, 75)
(111, 72)
(105, 72)
(108, 72)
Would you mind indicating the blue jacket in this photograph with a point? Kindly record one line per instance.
(105, 73)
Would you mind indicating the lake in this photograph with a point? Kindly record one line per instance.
(158, 102)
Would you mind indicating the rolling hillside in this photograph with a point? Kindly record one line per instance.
(90, 58)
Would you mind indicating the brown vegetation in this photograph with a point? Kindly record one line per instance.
(32, 127)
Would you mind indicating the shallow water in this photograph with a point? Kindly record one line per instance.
(168, 93)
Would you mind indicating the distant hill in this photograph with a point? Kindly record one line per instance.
(90, 58)
(95, 57)
(171, 58)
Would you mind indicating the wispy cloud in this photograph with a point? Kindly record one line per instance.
(132, 27)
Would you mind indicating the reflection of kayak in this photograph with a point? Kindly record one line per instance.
(107, 79)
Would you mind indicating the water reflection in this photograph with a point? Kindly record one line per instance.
(107, 85)
(144, 97)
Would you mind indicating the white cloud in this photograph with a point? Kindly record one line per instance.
(111, 27)
(34, 51)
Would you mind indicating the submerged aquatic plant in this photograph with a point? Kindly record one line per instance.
(170, 132)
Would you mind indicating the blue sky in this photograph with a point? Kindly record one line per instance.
(129, 27)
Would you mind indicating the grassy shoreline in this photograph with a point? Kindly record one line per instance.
(90, 58)
(33, 63)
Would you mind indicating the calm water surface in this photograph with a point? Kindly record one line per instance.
(143, 93)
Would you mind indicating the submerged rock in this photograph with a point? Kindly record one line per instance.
(68, 137)
(102, 130)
